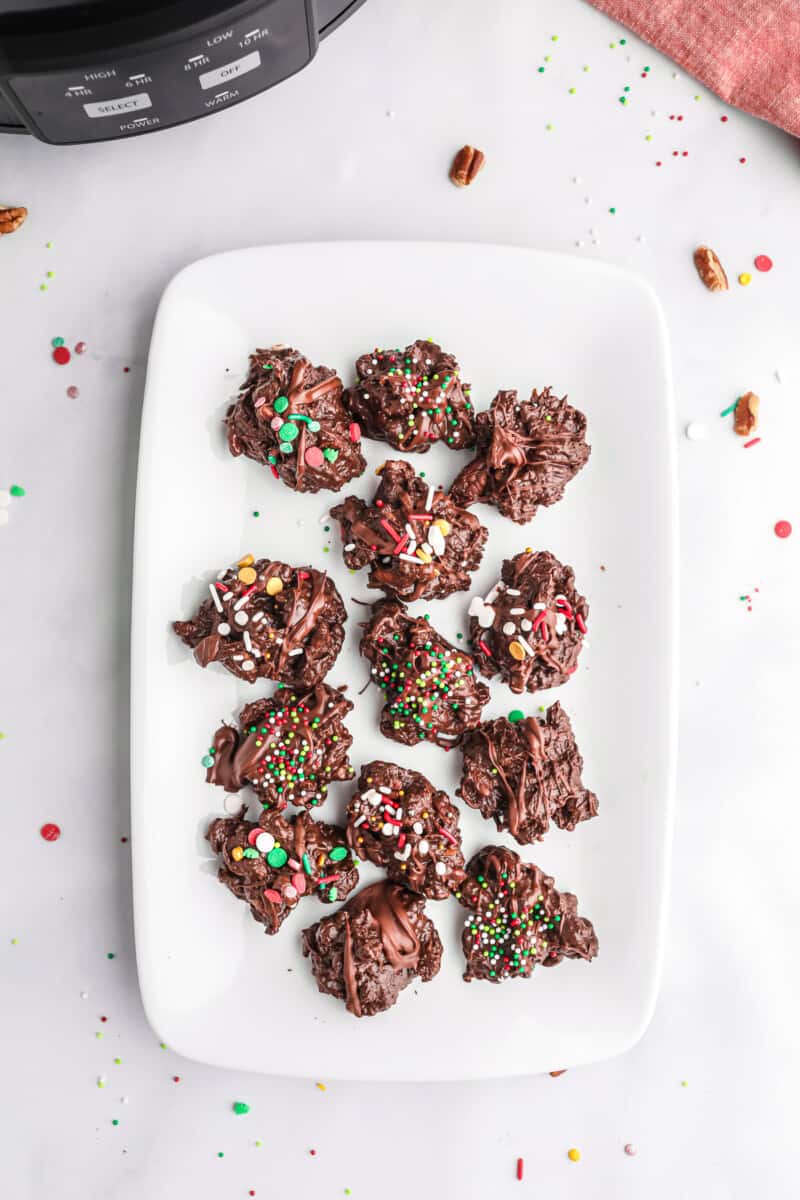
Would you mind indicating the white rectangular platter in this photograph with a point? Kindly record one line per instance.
(214, 986)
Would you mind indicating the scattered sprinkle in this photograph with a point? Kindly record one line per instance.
(520, 1168)
(696, 431)
(256, 513)
(763, 262)
(61, 355)
(752, 442)
(110, 954)
(727, 411)
(321, 1086)
(745, 278)
(684, 1083)
(16, 489)
(312, 1153)
(50, 832)
(240, 1108)
(80, 347)
(101, 1081)
(574, 1155)
(176, 1078)
(783, 529)
(73, 392)
(555, 1074)
(220, 1154)
(516, 715)
(114, 1121)
(630, 1150)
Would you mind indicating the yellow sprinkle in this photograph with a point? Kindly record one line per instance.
(745, 278)
(648, 137)
(684, 1083)
(246, 561)
(321, 1087)
(574, 1155)
(443, 526)
(15, 941)
(529, 550)
(516, 651)
(237, 853)
(424, 556)
(259, 1143)
(274, 586)
(247, 575)
(98, 1035)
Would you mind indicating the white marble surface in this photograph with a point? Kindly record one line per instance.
(321, 158)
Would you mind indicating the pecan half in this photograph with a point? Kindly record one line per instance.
(466, 165)
(710, 269)
(745, 415)
(11, 219)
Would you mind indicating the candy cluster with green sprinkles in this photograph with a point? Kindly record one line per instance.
(518, 919)
(419, 695)
(289, 749)
(413, 397)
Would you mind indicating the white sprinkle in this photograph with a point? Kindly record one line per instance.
(228, 595)
(436, 540)
(359, 821)
(412, 545)
(515, 612)
(238, 657)
(232, 803)
(449, 737)
(387, 830)
(326, 516)
(509, 628)
(221, 574)
(264, 843)
(524, 645)
(371, 796)
(429, 500)
(292, 653)
(84, 995)
(409, 558)
(542, 607)
(349, 547)
(513, 592)
(223, 629)
(403, 854)
(256, 652)
(385, 791)
(426, 547)
(423, 847)
(418, 827)
(561, 624)
(241, 618)
(249, 665)
(493, 593)
(240, 603)
(248, 645)
(441, 868)
(215, 598)
(526, 624)
(695, 431)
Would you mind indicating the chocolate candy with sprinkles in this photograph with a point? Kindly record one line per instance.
(518, 920)
(527, 452)
(373, 948)
(273, 864)
(525, 773)
(268, 620)
(530, 627)
(430, 689)
(412, 398)
(399, 821)
(417, 543)
(289, 416)
(289, 748)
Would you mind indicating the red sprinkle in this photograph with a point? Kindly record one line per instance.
(763, 262)
(783, 529)
(355, 432)
(742, 160)
(176, 1078)
(271, 895)
(80, 347)
(520, 1168)
(312, 1153)
(723, 119)
(752, 442)
(485, 648)
(579, 621)
(61, 355)
(50, 832)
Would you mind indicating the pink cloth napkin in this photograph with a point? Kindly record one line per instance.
(747, 51)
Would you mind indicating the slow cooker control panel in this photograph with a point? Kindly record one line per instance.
(166, 86)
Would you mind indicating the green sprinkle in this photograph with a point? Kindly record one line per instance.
(333, 893)
(220, 1154)
(256, 513)
(56, 342)
(285, 447)
(207, 761)
(114, 1121)
(516, 715)
(281, 404)
(277, 857)
(622, 42)
(288, 432)
(554, 38)
(259, 1144)
(240, 1108)
(541, 70)
(250, 852)
(612, 211)
(329, 454)
(338, 853)
(50, 275)
(17, 490)
(572, 91)
(725, 412)
(110, 954)
(306, 864)
(117, 1062)
(684, 1083)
